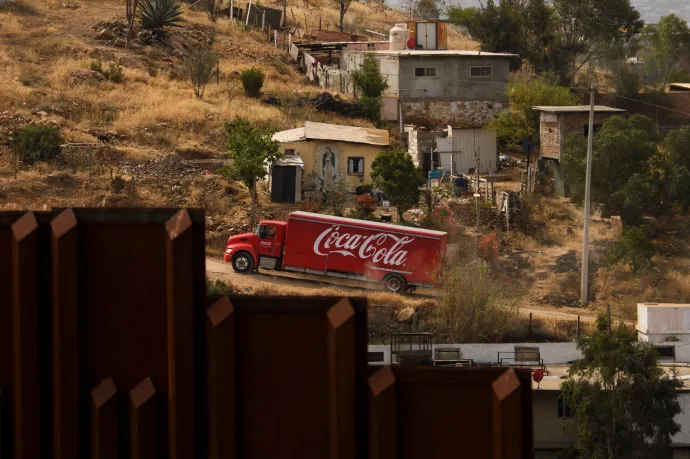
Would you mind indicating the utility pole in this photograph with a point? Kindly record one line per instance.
(251, 215)
(588, 195)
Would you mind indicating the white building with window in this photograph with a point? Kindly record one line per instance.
(436, 88)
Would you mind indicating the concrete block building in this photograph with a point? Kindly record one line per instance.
(557, 123)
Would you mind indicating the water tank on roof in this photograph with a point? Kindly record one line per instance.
(398, 36)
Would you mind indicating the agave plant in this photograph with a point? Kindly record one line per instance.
(158, 14)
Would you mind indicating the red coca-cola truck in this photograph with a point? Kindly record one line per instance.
(400, 257)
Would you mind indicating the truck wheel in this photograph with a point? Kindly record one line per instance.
(395, 283)
(242, 262)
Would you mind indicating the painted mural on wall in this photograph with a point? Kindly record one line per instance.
(327, 168)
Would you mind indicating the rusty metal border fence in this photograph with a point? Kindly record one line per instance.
(109, 348)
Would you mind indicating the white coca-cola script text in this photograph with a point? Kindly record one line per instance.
(365, 247)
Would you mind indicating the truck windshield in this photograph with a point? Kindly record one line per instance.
(256, 231)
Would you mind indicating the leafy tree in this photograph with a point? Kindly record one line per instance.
(368, 81)
(668, 42)
(522, 122)
(626, 81)
(156, 15)
(396, 175)
(622, 149)
(633, 247)
(586, 29)
(623, 403)
(676, 166)
(519, 27)
(427, 9)
(200, 67)
(678, 76)
(250, 148)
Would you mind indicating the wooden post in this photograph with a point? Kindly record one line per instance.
(578, 327)
(263, 20)
(249, 8)
(306, 24)
(529, 329)
(275, 38)
(218, 72)
(231, 10)
(507, 201)
(319, 22)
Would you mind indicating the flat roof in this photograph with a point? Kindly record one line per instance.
(557, 375)
(436, 52)
(335, 132)
(576, 109)
(664, 305)
(336, 43)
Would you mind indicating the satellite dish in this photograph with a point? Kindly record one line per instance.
(411, 43)
(538, 375)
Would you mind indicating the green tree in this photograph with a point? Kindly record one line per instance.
(667, 43)
(678, 76)
(586, 29)
(521, 121)
(367, 79)
(427, 9)
(343, 5)
(396, 175)
(250, 148)
(623, 403)
(622, 149)
(676, 167)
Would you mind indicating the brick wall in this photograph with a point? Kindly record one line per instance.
(554, 129)
(441, 113)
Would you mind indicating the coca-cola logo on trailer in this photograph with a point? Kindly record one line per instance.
(372, 247)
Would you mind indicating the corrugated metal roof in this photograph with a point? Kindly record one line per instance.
(323, 131)
(576, 109)
(680, 85)
(437, 52)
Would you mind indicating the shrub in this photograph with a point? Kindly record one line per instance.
(217, 287)
(370, 107)
(365, 205)
(633, 247)
(113, 73)
(158, 14)
(200, 67)
(38, 143)
(337, 197)
(252, 81)
(488, 247)
(471, 307)
(312, 205)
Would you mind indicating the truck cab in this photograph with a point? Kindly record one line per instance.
(262, 248)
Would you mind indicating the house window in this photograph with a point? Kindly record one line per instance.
(289, 152)
(596, 129)
(480, 72)
(424, 71)
(564, 411)
(355, 166)
(666, 352)
(526, 354)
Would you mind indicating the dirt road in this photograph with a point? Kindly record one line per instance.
(290, 283)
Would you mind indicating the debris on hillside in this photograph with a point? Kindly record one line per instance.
(171, 167)
(324, 101)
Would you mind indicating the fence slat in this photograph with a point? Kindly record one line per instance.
(180, 301)
(142, 421)
(220, 357)
(505, 407)
(27, 420)
(341, 368)
(104, 421)
(65, 336)
(382, 417)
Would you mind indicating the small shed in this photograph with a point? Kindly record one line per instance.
(459, 149)
(285, 179)
(556, 123)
